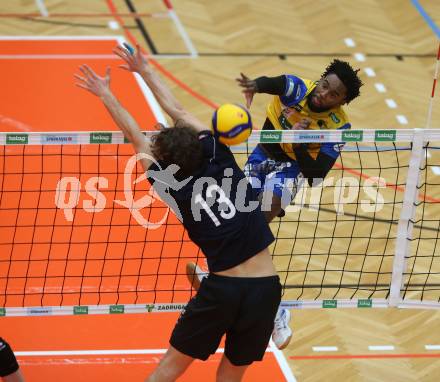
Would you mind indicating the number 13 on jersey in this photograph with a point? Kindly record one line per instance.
(228, 213)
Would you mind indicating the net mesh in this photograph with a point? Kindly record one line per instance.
(73, 221)
(66, 240)
(337, 238)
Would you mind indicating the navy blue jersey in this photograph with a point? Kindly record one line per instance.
(217, 206)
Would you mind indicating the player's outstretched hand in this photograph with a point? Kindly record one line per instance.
(134, 60)
(90, 81)
(249, 88)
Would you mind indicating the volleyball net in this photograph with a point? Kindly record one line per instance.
(82, 231)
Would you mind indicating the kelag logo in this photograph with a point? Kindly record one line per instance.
(17, 139)
(352, 136)
(331, 304)
(365, 303)
(385, 135)
(80, 310)
(116, 309)
(100, 137)
(270, 136)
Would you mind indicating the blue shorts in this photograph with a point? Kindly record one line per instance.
(266, 174)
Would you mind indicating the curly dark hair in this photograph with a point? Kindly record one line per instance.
(179, 145)
(347, 75)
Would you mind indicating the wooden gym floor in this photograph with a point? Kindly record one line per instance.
(300, 37)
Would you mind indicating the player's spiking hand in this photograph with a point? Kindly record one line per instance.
(134, 60)
(99, 86)
(249, 88)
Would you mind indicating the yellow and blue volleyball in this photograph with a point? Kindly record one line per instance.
(232, 124)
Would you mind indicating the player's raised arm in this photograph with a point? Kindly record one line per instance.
(100, 87)
(269, 85)
(136, 62)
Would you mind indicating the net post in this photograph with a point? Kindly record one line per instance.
(405, 225)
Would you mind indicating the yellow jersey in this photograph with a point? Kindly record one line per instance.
(286, 110)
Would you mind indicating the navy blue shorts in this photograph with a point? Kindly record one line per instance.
(242, 308)
(269, 175)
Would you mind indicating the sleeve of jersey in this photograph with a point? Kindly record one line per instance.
(333, 149)
(294, 92)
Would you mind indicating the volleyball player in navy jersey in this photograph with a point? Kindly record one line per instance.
(222, 215)
(9, 368)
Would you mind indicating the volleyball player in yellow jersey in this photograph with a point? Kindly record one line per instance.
(298, 104)
(275, 170)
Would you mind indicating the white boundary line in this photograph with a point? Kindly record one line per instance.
(324, 348)
(381, 347)
(157, 112)
(75, 38)
(43, 353)
(151, 100)
(282, 362)
(361, 57)
(432, 347)
(85, 56)
(42, 8)
(57, 56)
(180, 28)
(183, 34)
